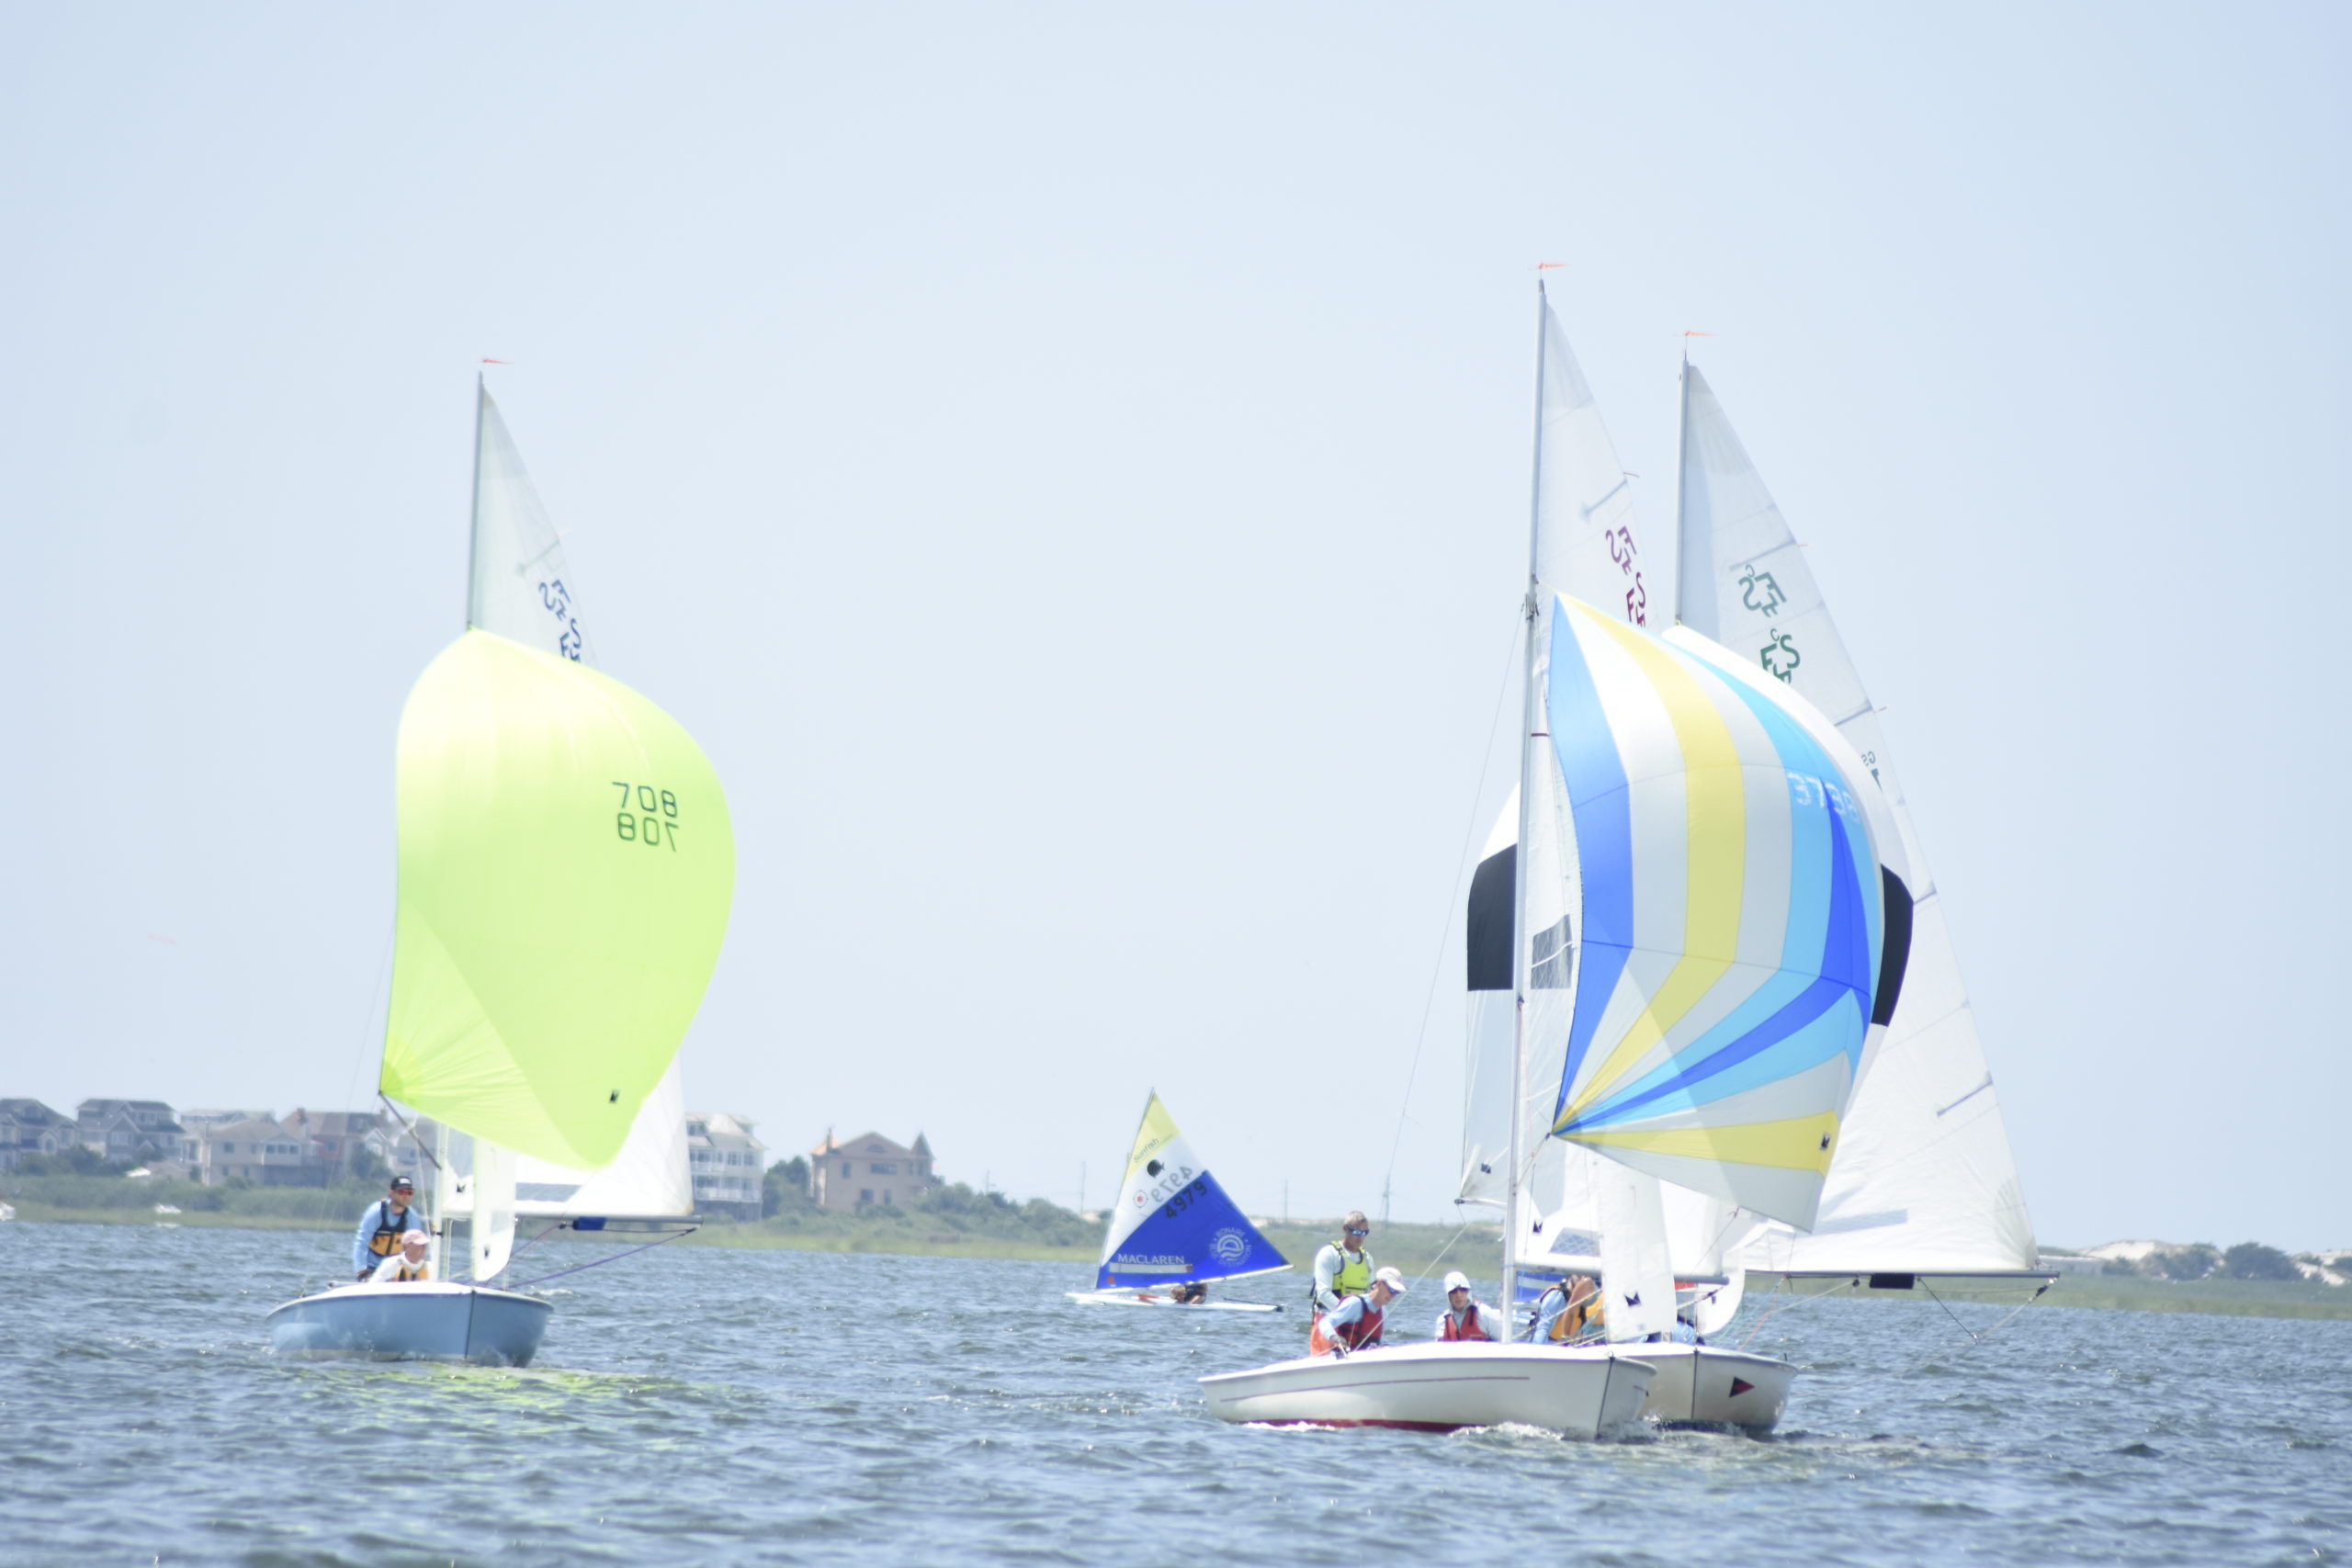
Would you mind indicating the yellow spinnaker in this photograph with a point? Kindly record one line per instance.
(565, 864)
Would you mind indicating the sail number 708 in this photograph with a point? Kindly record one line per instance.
(647, 815)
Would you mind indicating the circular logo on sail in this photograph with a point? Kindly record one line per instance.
(1230, 1246)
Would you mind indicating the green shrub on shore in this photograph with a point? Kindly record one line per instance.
(140, 1197)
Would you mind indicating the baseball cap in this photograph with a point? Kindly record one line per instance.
(1393, 1279)
(403, 1184)
(1456, 1280)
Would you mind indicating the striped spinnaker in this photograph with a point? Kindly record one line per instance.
(1734, 915)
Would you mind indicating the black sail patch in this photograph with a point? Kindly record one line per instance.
(1492, 888)
(1894, 954)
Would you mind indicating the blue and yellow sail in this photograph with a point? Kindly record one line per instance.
(1733, 879)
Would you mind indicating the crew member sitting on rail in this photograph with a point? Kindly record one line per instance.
(1463, 1317)
(1355, 1321)
(1568, 1312)
(1344, 1267)
(405, 1265)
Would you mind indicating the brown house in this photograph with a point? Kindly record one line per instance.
(843, 1173)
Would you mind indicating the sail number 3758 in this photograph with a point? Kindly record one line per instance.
(647, 815)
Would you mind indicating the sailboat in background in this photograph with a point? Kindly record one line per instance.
(1640, 1230)
(1699, 958)
(1174, 1225)
(1924, 1184)
(565, 864)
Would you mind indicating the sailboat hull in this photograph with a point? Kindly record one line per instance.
(1701, 1385)
(1579, 1393)
(423, 1321)
(1130, 1299)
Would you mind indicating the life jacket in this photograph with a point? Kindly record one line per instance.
(1349, 1278)
(1473, 1328)
(1363, 1331)
(409, 1271)
(387, 1239)
(1572, 1322)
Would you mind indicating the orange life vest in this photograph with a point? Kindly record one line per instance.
(1578, 1318)
(1473, 1328)
(1363, 1331)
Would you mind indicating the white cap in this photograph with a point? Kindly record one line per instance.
(1456, 1280)
(1393, 1279)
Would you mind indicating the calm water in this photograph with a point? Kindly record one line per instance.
(700, 1405)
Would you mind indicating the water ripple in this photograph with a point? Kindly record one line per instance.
(784, 1409)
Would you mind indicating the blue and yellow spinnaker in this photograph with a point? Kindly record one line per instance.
(1731, 875)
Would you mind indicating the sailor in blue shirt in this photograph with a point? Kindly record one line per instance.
(381, 1225)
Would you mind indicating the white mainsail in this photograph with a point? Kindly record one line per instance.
(1924, 1180)
(520, 587)
(1587, 544)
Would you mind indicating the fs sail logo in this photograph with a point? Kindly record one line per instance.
(1779, 656)
(1229, 1246)
(1751, 582)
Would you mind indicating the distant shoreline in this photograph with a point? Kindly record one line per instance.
(1412, 1247)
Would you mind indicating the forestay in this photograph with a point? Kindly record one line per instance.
(1924, 1180)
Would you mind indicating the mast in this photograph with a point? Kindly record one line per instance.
(1682, 469)
(1520, 937)
(445, 1191)
(473, 508)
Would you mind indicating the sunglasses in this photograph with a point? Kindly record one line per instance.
(1359, 1233)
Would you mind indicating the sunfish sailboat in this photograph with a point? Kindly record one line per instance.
(1175, 1227)
(1695, 946)
(565, 864)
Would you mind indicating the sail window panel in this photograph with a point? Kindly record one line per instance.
(1549, 958)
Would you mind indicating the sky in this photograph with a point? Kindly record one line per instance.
(1067, 465)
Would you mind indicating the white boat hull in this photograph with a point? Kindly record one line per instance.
(424, 1321)
(1579, 1393)
(1129, 1299)
(1701, 1385)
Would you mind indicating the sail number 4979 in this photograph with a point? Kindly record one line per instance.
(647, 815)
